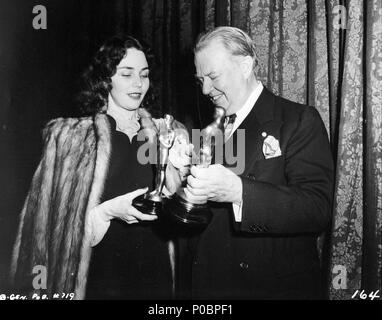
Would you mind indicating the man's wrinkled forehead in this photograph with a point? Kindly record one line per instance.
(212, 58)
(204, 66)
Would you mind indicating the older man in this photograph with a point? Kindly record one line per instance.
(261, 243)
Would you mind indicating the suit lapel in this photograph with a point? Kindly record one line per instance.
(261, 120)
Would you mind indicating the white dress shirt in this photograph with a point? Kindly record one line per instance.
(240, 116)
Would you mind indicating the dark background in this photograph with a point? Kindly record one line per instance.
(39, 71)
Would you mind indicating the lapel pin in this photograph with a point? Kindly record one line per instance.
(264, 134)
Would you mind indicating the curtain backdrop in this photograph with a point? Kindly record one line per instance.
(304, 56)
(307, 57)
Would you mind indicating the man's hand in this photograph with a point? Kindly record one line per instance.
(215, 183)
(179, 162)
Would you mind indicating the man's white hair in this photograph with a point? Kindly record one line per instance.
(235, 40)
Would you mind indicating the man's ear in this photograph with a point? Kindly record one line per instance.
(246, 65)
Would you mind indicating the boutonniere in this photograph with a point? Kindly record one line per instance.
(271, 147)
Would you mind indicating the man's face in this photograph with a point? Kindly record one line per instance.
(221, 77)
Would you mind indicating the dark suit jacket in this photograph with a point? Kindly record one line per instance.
(272, 253)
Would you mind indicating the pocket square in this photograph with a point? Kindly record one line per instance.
(271, 147)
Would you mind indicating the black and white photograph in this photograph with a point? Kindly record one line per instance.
(190, 151)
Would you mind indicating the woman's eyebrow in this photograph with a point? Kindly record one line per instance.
(131, 68)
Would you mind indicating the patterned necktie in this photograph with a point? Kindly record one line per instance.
(228, 125)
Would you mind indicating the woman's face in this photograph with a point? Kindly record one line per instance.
(131, 80)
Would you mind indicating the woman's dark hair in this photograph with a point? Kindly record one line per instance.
(96, 80)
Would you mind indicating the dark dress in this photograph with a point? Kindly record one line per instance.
(131, 261)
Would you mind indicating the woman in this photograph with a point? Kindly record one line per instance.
(81, 194)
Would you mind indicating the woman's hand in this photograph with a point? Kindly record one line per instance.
(121, 208)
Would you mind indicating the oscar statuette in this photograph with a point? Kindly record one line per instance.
(151, 202)
(181, 210)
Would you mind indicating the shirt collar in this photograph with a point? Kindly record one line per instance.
(126, 121)
(247, 107)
